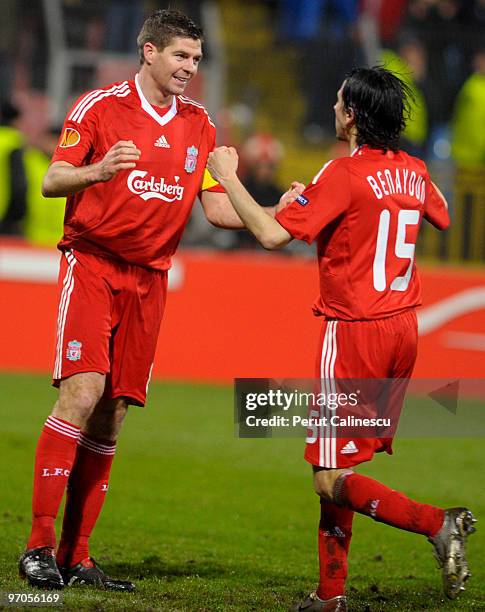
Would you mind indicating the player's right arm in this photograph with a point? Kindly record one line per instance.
(222, 164)
(63, 178)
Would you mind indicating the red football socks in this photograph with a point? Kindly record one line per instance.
(53, 462)
(86, 493)
(334, 535)
(374, 499)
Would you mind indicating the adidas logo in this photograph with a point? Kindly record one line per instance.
(335, 532)
(349, 448)
(162, 142)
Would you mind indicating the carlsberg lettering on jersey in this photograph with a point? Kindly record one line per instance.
(387, 182)
(152, 187)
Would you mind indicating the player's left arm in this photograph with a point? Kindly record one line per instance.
(220, 212)
(436, 208)
(216, 204)
(269, 233)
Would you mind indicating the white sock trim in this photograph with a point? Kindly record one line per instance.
(96, 447)
(71, 431)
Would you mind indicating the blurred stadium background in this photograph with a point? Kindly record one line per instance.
(269, 79)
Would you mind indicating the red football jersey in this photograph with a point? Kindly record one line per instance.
(365, 212)
(139, 215)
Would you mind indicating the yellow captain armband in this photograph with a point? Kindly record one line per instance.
(207, 181)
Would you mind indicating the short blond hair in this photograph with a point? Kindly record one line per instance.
(164, 25)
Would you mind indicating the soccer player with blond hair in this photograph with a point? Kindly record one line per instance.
(131, 161)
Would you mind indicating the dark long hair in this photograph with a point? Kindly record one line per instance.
(380, 102)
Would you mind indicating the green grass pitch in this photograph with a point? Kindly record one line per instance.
(204, 521)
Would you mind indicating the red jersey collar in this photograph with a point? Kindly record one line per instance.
(147, 107)
(367, 150)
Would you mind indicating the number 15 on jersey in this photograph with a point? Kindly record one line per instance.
(402, 250)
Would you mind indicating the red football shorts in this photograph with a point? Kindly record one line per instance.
(108, 322)
(377, 349)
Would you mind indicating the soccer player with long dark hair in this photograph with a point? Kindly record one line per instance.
(364, 211)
